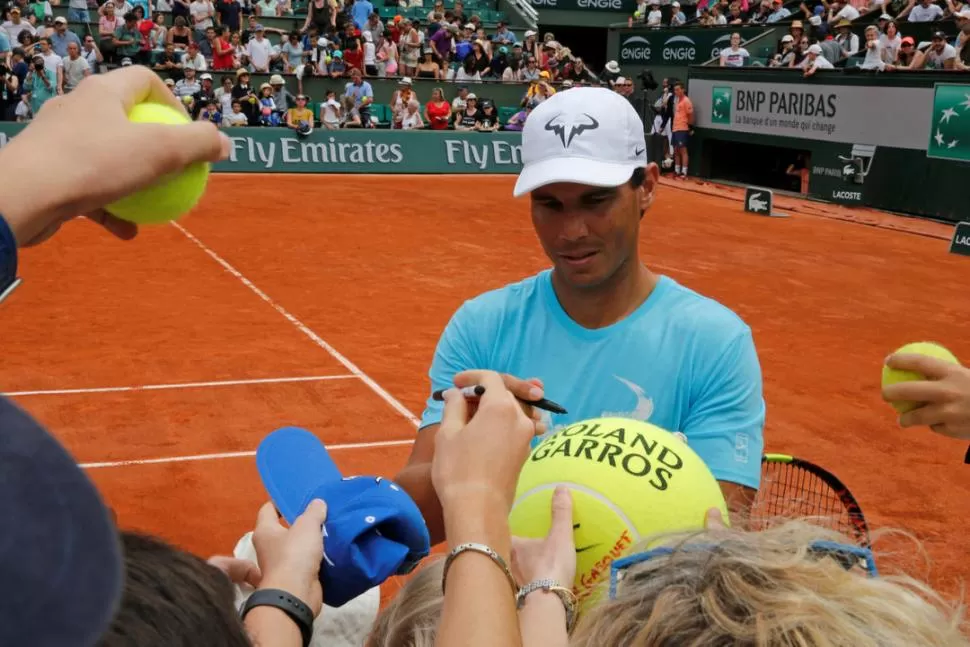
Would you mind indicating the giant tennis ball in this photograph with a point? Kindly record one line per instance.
(894, 376)
(174, 195)
(628, 480)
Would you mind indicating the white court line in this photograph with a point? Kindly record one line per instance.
(181, 385)
(212, 457)
(319, 341)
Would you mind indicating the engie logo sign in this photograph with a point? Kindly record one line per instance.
(635, 49)
(679, 49)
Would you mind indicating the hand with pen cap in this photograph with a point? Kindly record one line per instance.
(480, 449)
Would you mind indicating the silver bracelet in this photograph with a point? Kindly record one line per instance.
(484, 550)
(565, 595)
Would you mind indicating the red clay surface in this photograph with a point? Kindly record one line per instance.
(375, 265)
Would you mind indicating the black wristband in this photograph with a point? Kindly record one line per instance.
(8, 258)
(291, 605)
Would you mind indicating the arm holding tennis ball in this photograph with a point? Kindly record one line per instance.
(929, 387)
(87, 166)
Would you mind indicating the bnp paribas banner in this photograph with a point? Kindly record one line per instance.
(677, 46)
(278, 150)
(875, 115)
(949, 136)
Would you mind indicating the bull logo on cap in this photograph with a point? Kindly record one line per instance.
(567, 129)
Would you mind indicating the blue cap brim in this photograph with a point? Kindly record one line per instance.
(293, 464)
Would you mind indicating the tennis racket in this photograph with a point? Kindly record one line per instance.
(792, 488)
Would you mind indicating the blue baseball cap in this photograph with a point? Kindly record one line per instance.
(60, 555)
(373, 530)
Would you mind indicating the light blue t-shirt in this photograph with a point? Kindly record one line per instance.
(681, 361)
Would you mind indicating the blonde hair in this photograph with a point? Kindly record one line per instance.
(766, 589)
(411, 619)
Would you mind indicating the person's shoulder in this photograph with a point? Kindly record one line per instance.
(700, 314)
(508, 298)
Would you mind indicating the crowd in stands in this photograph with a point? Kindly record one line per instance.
(208, 51)
(821, 34)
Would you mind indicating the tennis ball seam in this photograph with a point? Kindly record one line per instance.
(585, 490)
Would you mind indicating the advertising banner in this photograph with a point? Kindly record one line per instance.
(677, 46)
(870, 115)
(616, 6)
(279, 150)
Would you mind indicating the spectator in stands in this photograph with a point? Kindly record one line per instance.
(515, 72)
(831, 49)
(468, 117)
(300, 115)
(387, 57)
(338, 67)
(735, 55)
(925, 11)
(503, 35)
(209, 111)
(223, 51)
(235, 116)
(815, 61)
(848, 42)
(76, 68)
(963, 41)
(350, 117)
(778, 12)
(530, 45)
(786, 52)
(259, 50)
(92, 54)
(189, 85)
(905, 56)
(839, 11)
(517, 121)
(246, 95)
(323, 14)
(61, 37)
(796, 30)
(874, 50)
(735, 16)
(683, 120)
(437, 111)
(41, 85)
(363, 95)
(224, 95)
(169, 62)
(677, 17)
(202, 12)
(759, 15)
(487, 119)
(194, 57)
(890, 41)
(577, 72)
(458, 103)
(127, 38)
(331, 112)
(940, 55)
(15, 25)
(409, 48)
(180, 36)
(427, 68)
(411, 119)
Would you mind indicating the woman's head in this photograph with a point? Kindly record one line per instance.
(412, 106)
(891, 29)
(179, 22)
(872, 32)
(412, 616)
(437, 95)
(765, 589)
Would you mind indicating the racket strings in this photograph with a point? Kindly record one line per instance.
(791, 492)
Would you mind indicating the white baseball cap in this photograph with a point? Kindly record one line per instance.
(589, 136)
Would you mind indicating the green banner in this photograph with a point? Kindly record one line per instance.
(616, 6)
(950, 123)
(279, 150)
(678, 46)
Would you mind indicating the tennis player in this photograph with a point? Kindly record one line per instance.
(603, 334)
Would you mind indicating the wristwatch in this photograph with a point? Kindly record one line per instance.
(8, 260)
(566, 596)
(289, 604)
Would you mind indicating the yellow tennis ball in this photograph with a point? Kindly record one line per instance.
(629, 480)
(894, 376)
(174, 195)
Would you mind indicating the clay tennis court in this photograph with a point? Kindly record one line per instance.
(317, 302)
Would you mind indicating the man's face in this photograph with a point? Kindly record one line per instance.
(189, 73)
(210, 33)
(355, 77)
(589, 233)
(939, 44)
(45, 46)
(73, 50)
(679, 90)
(60, 27)
(88, 43)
